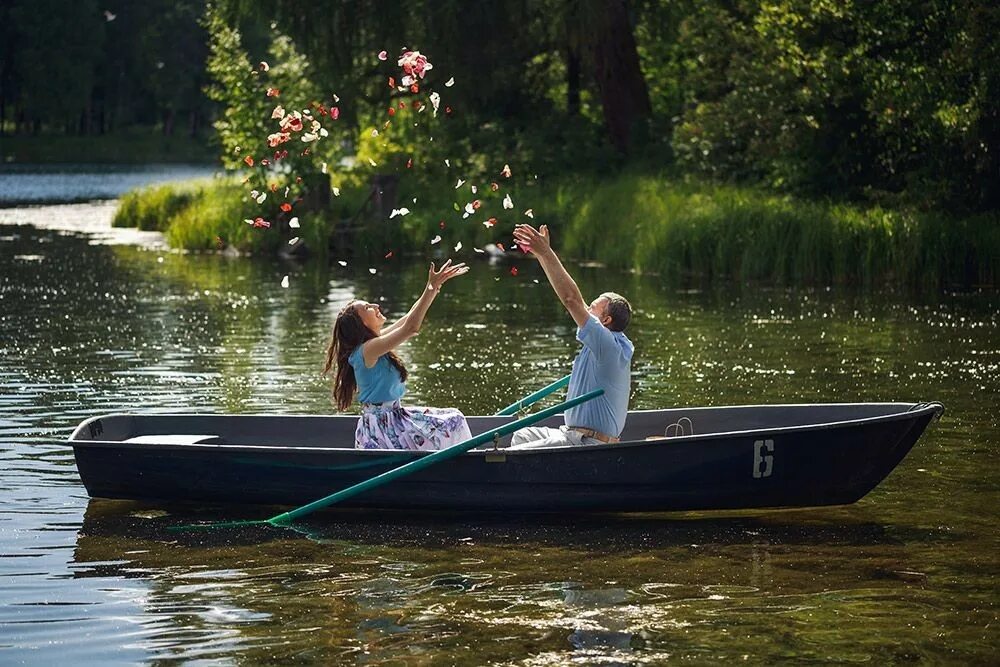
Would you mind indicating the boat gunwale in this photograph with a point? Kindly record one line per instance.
(915, 410)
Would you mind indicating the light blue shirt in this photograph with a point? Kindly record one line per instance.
(378, 384)
(605, 362)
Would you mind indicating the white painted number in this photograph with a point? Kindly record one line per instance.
(760, 446)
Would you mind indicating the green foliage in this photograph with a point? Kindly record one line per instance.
(894, 100)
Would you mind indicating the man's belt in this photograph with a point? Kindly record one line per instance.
(596, 435)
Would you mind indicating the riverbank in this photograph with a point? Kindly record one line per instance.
(686, 231)
(135, 147)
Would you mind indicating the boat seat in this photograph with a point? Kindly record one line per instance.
(173, 439)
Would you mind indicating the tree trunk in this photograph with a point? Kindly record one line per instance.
(572, 82)
(622, 88)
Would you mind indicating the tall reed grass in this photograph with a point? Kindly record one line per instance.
(697, 230)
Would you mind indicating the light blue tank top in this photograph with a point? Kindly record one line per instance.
(378, 384)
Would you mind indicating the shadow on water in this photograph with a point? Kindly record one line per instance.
(595, 533)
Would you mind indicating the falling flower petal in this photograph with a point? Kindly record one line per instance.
(273, 92)
(479, 250)
(374, 133)
(335, 113)
(530, 213)
(450, 82)
(489, 223)
(469, 209)
(507, 202)
(284, 282)
(505, 172)
(323, 168)
(398, 211)
(447, 162)
(474, 189)
(372, 162)
(294, 223)
(372, 271)
(409, 165)
(383, 55)
(278, 113)
(441, 224)
(293, 240)
(513, 270)
(263, 66)
(459, 184)
(286, 207)
(341, 262)
(476, 204)
(262, 197)
(336, 192)
(388, 255)
(435, 101)
(436, 239)
(249, 160)
(458, 246)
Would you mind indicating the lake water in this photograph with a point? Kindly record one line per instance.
(95, 321)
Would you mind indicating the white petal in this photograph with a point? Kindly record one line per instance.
(469, 208)
(341, 262)
(372, 271)
(447, 162)
(294, 223)
(372, 162)
(336, 192)
(323, 167)
(450, 82)
(479, 250)
(458, 246)
(473, 189)
(459, 184)
(293, 240)
(436, 239)
(374, 133)
(262, 197)
(530, 213)
(507, 202)
(284, 282)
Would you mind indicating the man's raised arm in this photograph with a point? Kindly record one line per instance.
(536, 241)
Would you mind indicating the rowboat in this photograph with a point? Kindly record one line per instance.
(702, 458)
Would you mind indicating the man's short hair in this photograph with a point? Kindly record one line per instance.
(619, 310)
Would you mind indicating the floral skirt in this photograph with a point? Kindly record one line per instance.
(391, 426)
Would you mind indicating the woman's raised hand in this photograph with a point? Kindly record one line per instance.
(447, 271)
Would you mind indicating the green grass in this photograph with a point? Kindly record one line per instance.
(211, 215)
(683, 230)
(698, 230)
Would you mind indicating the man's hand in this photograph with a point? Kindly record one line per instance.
(535, 241)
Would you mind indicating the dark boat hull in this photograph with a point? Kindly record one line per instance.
(830, 464)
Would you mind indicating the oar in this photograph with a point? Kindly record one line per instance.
(406, 469)
(513, 408)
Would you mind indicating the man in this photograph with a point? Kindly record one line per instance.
(603, 363)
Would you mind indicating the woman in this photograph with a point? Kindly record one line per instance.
(363, 351)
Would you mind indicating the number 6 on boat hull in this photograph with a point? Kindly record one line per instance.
(767, 460)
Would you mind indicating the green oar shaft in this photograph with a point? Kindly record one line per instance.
(532, 398)
(429, 460)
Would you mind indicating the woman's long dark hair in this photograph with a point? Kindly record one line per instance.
(349, 333)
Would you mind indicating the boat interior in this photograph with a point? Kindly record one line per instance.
(337, 431)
